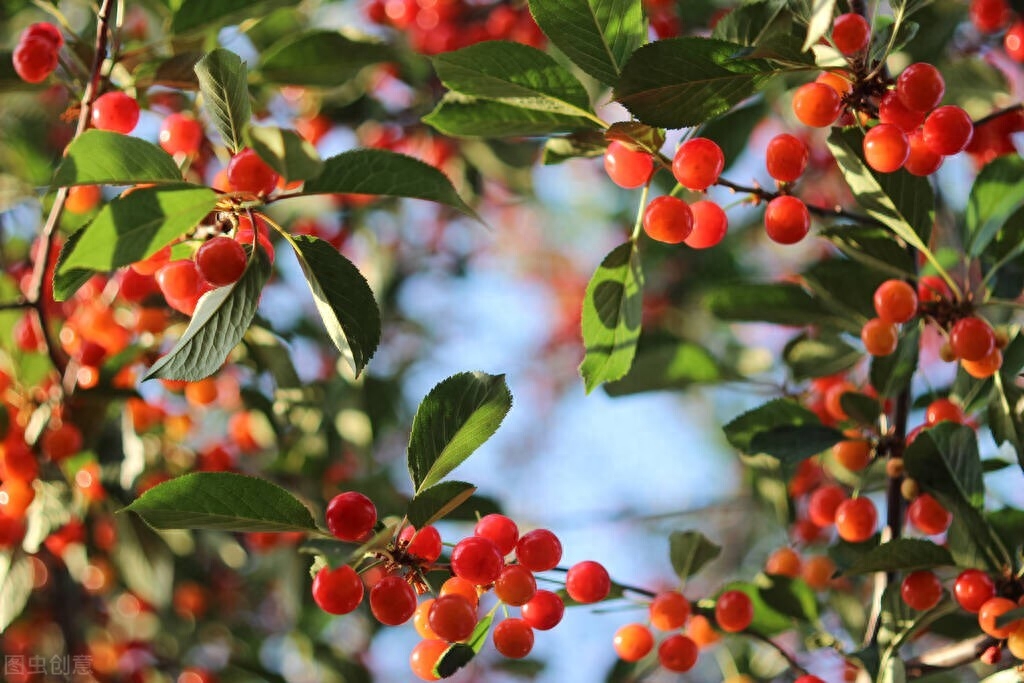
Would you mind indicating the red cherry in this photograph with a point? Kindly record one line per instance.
(477, 560)
(787, 220)
(115, 111)
(892, 110)
(678, 653)
(544, 610)
(786, 157)
(669, 610)
(513, 638)
(337, 591)
(424, 544)
(886, 148)
(500, 529)
(895, 301)
(515, 585)
(709, 225)
(856, 519)
(941, 410)
(1013, 41)
(247, 172)
(932, 288)
(973, 588)
(928, 515)
(817, 105)
(734, 611)
(697, 164)
(627, 167)
(632, 642)
(880, 337)
(850, 33)
(920, 87)
(46, 31)
(34, 59)
(921, 590)
(181, 134)
(668, 219)
(424, 658)
(392, 600)
(989, 16)
(178, 279)
(221, 261)
(921, 161)
(539, 550)
(948, 130)
(822, 505)
(587, 582)
(972, 339)
(350, 516)
(452, 617)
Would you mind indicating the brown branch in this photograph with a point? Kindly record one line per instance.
(764, 195)
(38, 293)
(949, 656)
(999, 112)
(15, 305)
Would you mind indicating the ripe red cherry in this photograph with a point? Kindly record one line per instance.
(425, 656)
(477, 560)
(350, 516)
(972, 338)
(986, 367)
(539, 550)
(500, 529)
(181, 134)
(921, 161)
(886, 148)
(942, 409)
(892, 110)
(992, 609)
(822, 505)
(587, 582)
(856, 519)
(34, 59)
(1013, 41)
(632, 642)
(921, 590)
(513, 638)
(932, 288)
(247, 172)
(669, 610)
(709, 225)
(920, 87)
(895, 301)
(973, 588)
(698, 163)
(45, 31)
(853, 454)
(337, 591)
(115, 111)
(452, 617)
(734, 611)
(221, 261)
(817, 105)
(850, 33)
(392, 600)
(989, 16)
(178, 279)
(948, 130)
(668, 219)
(880, 337)
(678, 653)
(515, 585)
(787, 220)
(626, 167)
(424, 544)
(544, 610)
(928, 515)
(786, 157)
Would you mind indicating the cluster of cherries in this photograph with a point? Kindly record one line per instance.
(37, 53)
(970, 338)
(435, 26)
(993, 17)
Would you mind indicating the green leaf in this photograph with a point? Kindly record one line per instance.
(664, 363)
(681, 82)
(130, 228)
(16, 578)
(782, 304)
(582, 145)
(380, 172)
(997, 193)
(460, 654)
(435, 502)
(1008, 524)
(791, 597)
(177, 71)
(218, 324)
(767, 621)
(192, 15)
(690, 551)
(612, 308)
(468, 117)
(288, 153)
(902, 202)
(513, 73)
(901, 554)
(223, 84)
(732, 130)
(861, 408)
(818, 22)
(100, 157)
(790, 444)
(1006, 414)
(874, 247)
(809, 357)
(749, 23)
(144, 561)
(222, 500)
(320, 58)
(892, 374)
(846, 287)
(343, 298)
(598, 35)
(777, 413)
(455, 418)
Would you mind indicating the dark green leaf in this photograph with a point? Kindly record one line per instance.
(861, 408)
(144, 561)
(846, 554)
(1009, 525)
(819, 357)
(177, 71)
(380, 172)
(320, 58)
(218, 324)
(582, 145)
(790, 444)
(435, 502)
(901, 554)
(100, 157)
(690, 551)
(459, 654)
(882, 36)
(682, 82)
(513, 73)
(892, 374)
(791, 597)
(958, 446)
(732, 130)
(224, 86)
(292, 156)
(666, 363)
(455, 418)
(222, 500)
(819, 21)
(774, 415)
(269, 353)
(598, 35)
(612, 308)
(1006, 415)
(902, 202)
(192, 15)
(636, 135)
(467, 117)
(16, 578)
(343, 298)
(782, 304)
(874, 247)
(749, 23)
(998, 192)
(845, 286)
(130, 228)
